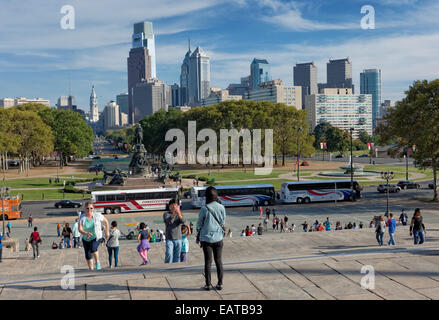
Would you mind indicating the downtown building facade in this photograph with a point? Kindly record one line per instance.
(199, 77)
(111, 116)
(259, 72)
(370, 83)
(305, 75)
(149, 96)
(274, 91)
(14, 102)
(341, 108)
(217, 96)
(339, 74)
(94, 113)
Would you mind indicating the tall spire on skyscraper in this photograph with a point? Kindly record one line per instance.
(94, 114)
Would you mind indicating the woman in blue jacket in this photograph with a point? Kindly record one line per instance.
(210, 224)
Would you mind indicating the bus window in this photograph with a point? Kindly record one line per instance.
(100, 198)
(202, 193)
(140, 196)
(120, 197)
(110, 197)
(131, 196)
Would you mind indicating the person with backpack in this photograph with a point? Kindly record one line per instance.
(391, 224)
(417, 227)
(210, 225)
(35, 240)
(66, 232)
(380, 229)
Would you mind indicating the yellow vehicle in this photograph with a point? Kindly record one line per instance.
(12, 207)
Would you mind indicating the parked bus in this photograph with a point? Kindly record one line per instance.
(12, 207)
(323, 190)
(118, 201)
(239, 195)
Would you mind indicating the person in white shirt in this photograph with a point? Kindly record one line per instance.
(76, 235)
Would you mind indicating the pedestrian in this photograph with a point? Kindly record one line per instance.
(350, 225)
(320, 227)
(380, 229)
(305, 226)
(282, 225)
(76, 235)
(9, 228)
(54, 245)
(66, 233)
(173, 220)
(274, 224)
(29, 221)
(403, 217)
(260, 229)
(229, 234)
(277, 223)
(50, 180)
(327, 224)
(61, 243)
(316, 224)
(248, 232)
(274, 212)
(391, 224)
(267, 212)
(361, 225)
(242, 233)
(113, 245)
(266, 224)
(1, 246)
(286, 220)
(58, 228)
(185, 232)
(260, 212)
(253, 230)
(191, 226)
(210, 224)
(417, 227)
(35, 240)
(253, 206)
(64, 183)
(372, 224)
(292, 227)
(354, 226)
(90, 226)
(143, 246)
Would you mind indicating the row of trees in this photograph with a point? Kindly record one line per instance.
(285, 122)
(32, 131)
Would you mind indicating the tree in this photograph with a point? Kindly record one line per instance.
(415, 121)
(73, 137)
(9, 140)
(320, 133)
(337, 139)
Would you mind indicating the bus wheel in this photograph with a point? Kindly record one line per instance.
(307, 200)
(299, 200)
(116, 210)
(107, 210)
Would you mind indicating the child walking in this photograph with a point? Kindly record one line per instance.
(185, 232)
(143, 246)
(113, 244)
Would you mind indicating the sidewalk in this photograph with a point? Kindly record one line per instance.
(317, 265)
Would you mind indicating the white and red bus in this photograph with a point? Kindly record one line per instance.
(118, 201)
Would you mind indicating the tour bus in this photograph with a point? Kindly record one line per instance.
(118, 201)
(12, 207)
(239, 195)
(323, 190)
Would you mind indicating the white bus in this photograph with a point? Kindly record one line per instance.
(323, 190)
(118, 201)
(239, 195)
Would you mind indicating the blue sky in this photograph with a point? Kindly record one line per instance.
(39, 59)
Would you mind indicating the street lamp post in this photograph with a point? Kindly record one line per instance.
(298, 153)
(387, 175)
(352, 167)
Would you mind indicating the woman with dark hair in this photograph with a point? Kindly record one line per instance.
(210, 224)
(417, 227)
(143, 246)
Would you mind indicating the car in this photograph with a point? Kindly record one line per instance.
(392, 188)
(99, 167)
(67, 204)
(363, 156)
(405, 184)
(305, 163)
(116, 158)
(338, 156)
(13, 163)
(431, 185)
(187, 194)
(96, 157)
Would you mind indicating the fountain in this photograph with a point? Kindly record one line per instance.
(357, 171)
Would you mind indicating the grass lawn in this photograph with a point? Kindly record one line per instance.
(44, 182)
(240, 174)
(48, 195)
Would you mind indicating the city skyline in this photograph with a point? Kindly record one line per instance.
(404, 38)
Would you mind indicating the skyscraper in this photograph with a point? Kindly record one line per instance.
(199, 76)
(305, 75)
(111, 115)
(184, 79)
(139, 62)
(370, 83)
(144, 37)
(149, 96)
(339, 74)
(122, 101)
(259, 72)
(94, 113)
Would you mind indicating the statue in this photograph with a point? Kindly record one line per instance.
(139, 163)
(116, 177)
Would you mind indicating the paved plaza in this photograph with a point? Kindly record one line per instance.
(304, 266)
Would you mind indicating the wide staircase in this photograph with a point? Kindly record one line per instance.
(316, 265)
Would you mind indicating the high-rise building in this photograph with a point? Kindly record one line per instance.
(13, 102)
(94, 113)
(111, 116)
(259, 72)
(341, 108)
(274, 91)
(66, 103)
(385, 107)
(122, 101)
(305, 75)
(370, 83)
(141, 60)
(184, 79)
(143, 36)
(217, 96)
(175, 95)
(199, 76)
(149, 96)
(339, 74)
(239, 88)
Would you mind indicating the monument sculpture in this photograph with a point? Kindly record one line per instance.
(139, 164)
